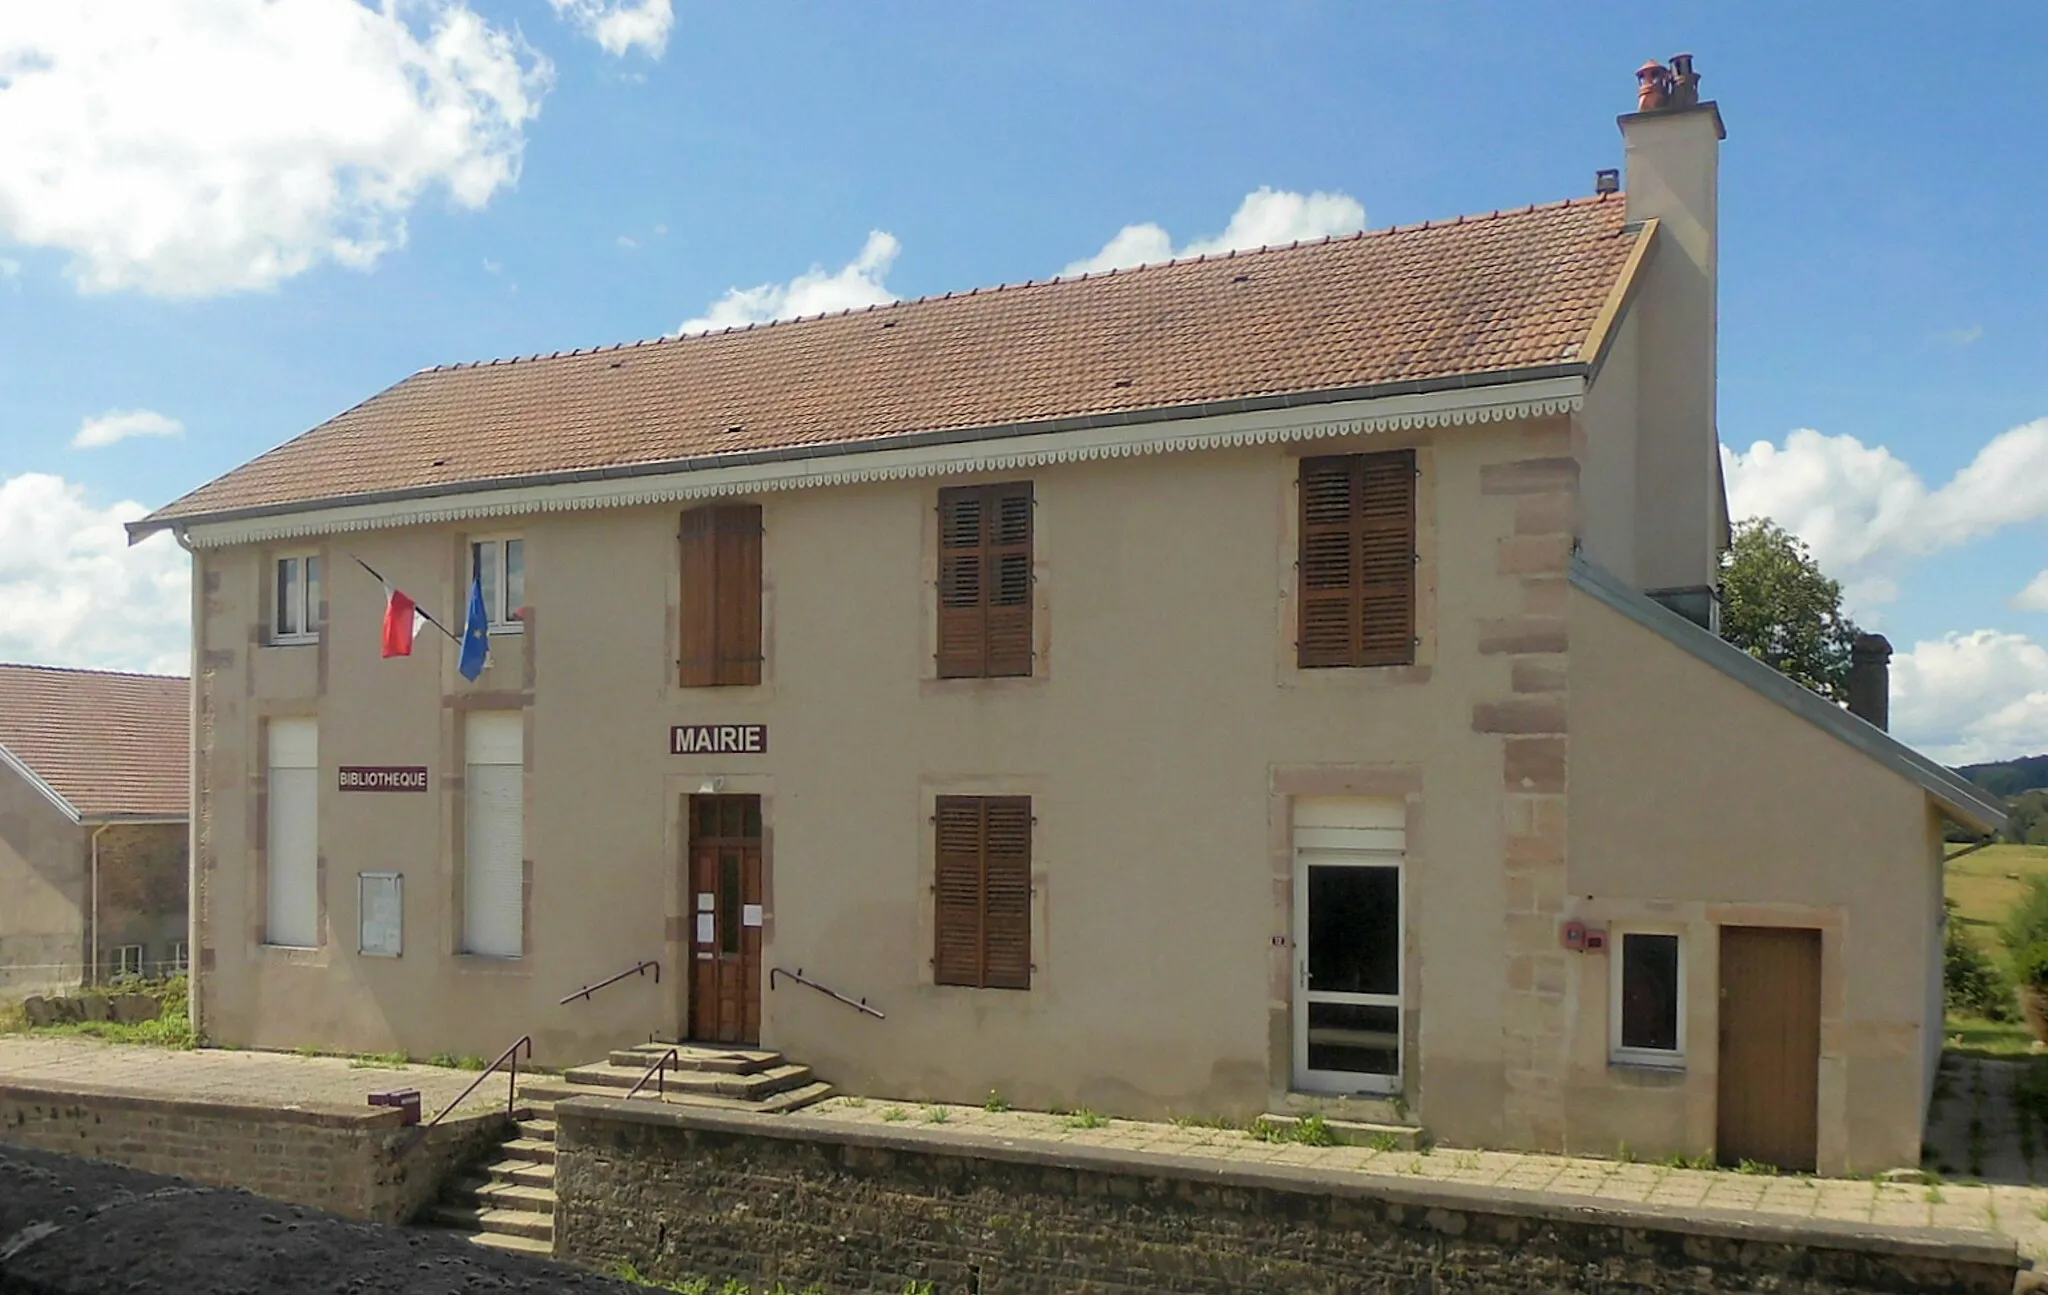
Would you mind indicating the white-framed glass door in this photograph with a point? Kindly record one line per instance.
(1348, 924)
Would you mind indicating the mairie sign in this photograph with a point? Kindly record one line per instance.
(718, 739)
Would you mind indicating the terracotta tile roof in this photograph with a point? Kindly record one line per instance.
(109, 743)
(1435, 303)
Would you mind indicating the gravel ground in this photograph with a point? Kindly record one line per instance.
(70, 1226)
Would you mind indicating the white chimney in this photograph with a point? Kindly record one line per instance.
(1672, 147)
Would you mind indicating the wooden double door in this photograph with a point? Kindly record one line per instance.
(725, 901)
(1768, 1108)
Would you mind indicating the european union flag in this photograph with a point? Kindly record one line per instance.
(476, 635)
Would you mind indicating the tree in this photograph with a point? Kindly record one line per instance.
(1777, 605)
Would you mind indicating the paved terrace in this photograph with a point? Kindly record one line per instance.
(284, 1079)
(270, 1078)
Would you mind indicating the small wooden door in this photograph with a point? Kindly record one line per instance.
(725, 919)
(1769, 1097)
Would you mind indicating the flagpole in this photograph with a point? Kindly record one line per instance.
(425, 615)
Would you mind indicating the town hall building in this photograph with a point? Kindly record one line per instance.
(1281, 680)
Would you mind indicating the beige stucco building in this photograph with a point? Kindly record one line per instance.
(93, 826)
(1283, 680)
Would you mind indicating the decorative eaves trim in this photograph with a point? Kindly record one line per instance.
(11, 761)
(1963, 800)
(859, 463)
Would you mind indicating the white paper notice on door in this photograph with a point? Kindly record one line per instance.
(704, 901)
(705, 932)
(750, 915)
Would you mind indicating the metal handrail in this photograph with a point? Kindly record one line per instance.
(511, 1089)
(654, 1072)
(588, 990)
(799, 977)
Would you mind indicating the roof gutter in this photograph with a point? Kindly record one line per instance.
(20, 767)
(181, 523)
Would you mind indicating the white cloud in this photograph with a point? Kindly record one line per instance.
(1972, 697)
(1866, 513)
(117, 425)
(1266, 218)
(8, 268)
(619, 25)
(2033, 598)
(194, 147)
(627, 242)
(815, 292)
(73, 593)
(1964, 336)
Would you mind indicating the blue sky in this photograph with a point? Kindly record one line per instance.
(242, 244)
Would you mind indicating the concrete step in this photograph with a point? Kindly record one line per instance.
(727, 1061)
(1360, 1133)
(538, 1130)
(753, 1085)
(775, 1103)
(534, 1150)
(487, 1194)
(473, 1218)
(522, 1173)
(795, 1099)
(516, 1244)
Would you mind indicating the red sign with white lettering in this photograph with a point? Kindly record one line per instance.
(383, 777)
(718, 739)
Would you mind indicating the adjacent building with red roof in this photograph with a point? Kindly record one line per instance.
(94, 807)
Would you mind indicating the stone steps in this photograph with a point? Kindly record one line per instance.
(752, 1085)
(526, 1224)
(509, 1203)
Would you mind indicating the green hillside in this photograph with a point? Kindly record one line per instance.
(2009, 777)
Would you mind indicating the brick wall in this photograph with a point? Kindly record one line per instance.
(682, 1192)
(143, 896)
(361, 1164)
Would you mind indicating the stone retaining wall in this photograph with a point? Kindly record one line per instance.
(359, 1163)
(681, 1192)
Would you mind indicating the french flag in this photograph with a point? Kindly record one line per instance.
(402, 619)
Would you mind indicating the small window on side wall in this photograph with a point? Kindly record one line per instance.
(500, 567)
(1647, 1007)
(295, 599)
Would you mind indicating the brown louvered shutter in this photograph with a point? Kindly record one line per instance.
(1008, 515)
(984, 581)
(1357, 569)
(720, 606)
(698, 610)
(957, 884)
(738, 528)
(1006, 922)
(982, 886)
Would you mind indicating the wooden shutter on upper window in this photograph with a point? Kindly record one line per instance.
(982, 892)
(1357, 569)
(985, 581)
(720, 607)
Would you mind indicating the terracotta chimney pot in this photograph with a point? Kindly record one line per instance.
(1653, 86)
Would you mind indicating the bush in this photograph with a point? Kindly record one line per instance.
(2032, 965)
(1971, 981)
(2027, 924)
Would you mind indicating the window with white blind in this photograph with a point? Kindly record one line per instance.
(494, 851)
(292, 858)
